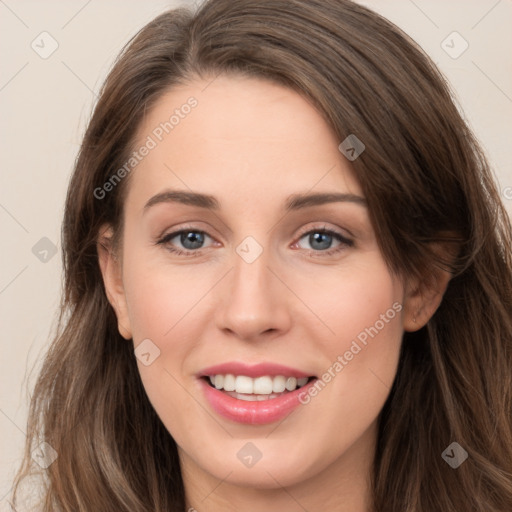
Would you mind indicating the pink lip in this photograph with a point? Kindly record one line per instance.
(253, 413)
(256, 370)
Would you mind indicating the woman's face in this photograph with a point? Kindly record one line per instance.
(271, 287)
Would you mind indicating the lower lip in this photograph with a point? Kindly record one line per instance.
(253, 413)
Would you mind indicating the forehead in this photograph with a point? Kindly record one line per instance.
(238, 135)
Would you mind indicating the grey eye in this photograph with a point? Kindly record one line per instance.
(191, 239)
(320, 240)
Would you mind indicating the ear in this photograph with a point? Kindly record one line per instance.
(423, 296)
(111, 270)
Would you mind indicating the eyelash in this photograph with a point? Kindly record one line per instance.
(344, 242)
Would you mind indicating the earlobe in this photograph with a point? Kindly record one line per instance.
(423, 295)
(422, 300)
(110, 267)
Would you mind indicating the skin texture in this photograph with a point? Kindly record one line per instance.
(251, 144)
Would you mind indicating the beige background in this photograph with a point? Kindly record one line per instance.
(45, 104)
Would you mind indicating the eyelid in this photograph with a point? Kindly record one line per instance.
(324, 228)
(178, 231)
(342, 239)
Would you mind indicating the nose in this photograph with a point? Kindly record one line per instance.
(253, 302)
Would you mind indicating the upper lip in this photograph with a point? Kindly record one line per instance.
(253, 370)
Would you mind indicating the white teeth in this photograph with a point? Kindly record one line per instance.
(253, 398)
(302, 381)
(229, 382)
(263, 386)
(291, 383)
(219, 381)
(279, 384)
(243, 384)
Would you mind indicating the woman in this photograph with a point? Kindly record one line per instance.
(209, 358)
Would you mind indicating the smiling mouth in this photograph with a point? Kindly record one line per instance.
(258, 389)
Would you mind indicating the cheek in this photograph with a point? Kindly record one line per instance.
(361, 339)
(159, 297)
(161, 304)
(351, 299)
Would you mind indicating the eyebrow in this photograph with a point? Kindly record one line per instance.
(298, 201)
(293, 202)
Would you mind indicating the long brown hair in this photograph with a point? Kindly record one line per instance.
(426, 182)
